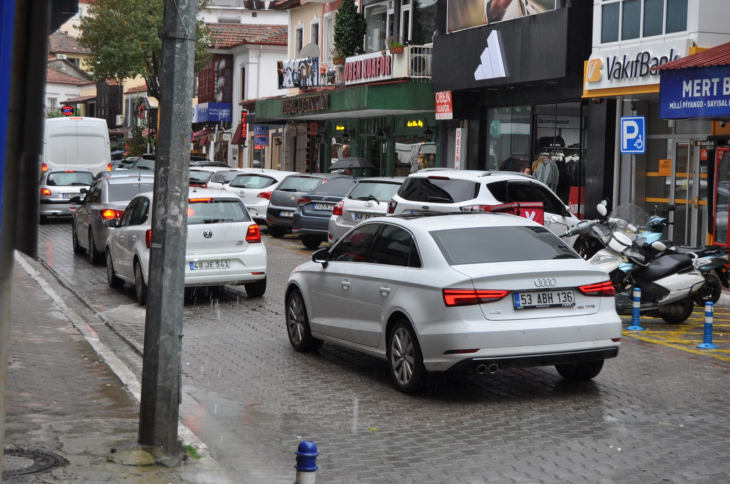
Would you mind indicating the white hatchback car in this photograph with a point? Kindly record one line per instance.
(222, 178)
(368, 199)
(254, 187)
(223, 247)
(480, 291)
(448, 190)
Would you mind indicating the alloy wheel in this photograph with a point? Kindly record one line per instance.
(295, 319)
(402, 356)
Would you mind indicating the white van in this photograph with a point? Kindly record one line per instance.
(76, 143)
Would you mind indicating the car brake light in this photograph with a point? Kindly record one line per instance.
(44, 168)
(45, 191)
(109, 214)
(338, 208)
(602, 289)
(69, 171)
(467, 297)
(266, 195)
(253, 235)
(109, 167)
(148, 238)
(391, 206)
(475, 208)
(302, 201)
(200, 200)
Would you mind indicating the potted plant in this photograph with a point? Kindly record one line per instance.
(337, 57)
(395, 46)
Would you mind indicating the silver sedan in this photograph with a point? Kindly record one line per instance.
(485, 292)
(57, 188)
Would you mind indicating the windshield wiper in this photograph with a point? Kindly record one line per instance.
(370, 197)
(432, 198)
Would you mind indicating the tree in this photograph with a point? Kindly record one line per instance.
(350, 29)
(123, 36)
(137, 145)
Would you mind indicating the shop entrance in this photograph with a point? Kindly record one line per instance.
(688, 192)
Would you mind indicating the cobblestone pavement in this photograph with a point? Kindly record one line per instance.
(655, 414)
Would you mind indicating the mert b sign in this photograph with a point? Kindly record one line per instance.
(633, 135)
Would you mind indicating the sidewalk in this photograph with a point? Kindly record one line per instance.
(65, 399)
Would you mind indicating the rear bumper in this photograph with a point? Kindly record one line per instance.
(273, 218)
(336, 229)
(303, 224)
(51, 208)
(243, 266)
(506, 362)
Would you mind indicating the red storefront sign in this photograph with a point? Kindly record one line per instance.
(444, 105)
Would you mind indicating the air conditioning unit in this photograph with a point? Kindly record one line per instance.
(420, 64)
(120, 119)
(229, 19)
(60, 56)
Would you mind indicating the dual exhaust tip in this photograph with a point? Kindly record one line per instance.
(491, 368)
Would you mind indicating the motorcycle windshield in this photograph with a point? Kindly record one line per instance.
(629, 219)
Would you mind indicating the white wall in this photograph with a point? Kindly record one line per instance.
(61, 92)
(271, 17)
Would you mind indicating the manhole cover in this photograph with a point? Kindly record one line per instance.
(24, 462)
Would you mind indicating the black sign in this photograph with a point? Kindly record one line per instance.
(244, 126)
(67, 111)
(320, 102)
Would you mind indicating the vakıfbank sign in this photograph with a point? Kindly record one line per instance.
(630, 67)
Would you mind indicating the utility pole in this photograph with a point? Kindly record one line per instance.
(161, 372)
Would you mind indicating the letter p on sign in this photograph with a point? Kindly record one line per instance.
(633, 135)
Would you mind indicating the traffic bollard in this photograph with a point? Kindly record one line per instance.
(636, 312)
(707, 338)
(306, 463)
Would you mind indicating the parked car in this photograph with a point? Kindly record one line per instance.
(284, 200)
(106, 199)
(223, 245)
(368, 199)
(199, 177)
(470, 190)
(57, 188)
(147, 162)
(255, 187)
(311, 218)
(485, 292)
(222, 178)
(127, 162)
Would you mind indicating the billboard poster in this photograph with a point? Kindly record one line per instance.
(702, 92)
(298, 73)
(261, 136)
(465, 14)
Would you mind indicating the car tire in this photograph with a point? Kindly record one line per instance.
(709, 292)
(111, 277)
(580, 371)
(277, 231)
(94, 255)
(297, 324)
(255, 289)
(140, 288)
(311, 242)
(681, 315)
(405, 358)
(75, 240)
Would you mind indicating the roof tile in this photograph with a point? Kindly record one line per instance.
(56, 77)
(716, 56)
(62, 43)
(231, 35)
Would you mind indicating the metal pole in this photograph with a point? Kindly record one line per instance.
(161, 387)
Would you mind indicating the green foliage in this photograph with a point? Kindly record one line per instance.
(394, 41)
(350, 29)
(137, 145)
(54, 114)
(123, 36)
(191, 451)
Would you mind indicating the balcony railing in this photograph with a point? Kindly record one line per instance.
(420, 62)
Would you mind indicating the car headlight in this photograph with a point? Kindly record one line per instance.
(604, 259)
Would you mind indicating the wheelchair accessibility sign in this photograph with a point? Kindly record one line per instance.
(633, 135)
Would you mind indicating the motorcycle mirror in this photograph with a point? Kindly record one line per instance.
(659, 246)
(671, 208)
(602, 209)
(553, 219)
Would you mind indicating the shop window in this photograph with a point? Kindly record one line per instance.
(508, 138)
(641, 18)
(298, 40)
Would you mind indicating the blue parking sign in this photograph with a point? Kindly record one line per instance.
(633, 135)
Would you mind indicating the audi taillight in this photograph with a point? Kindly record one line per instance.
(45, 191)
(109, 167)
(602, 289)
(467, 297)
(391, 206)
(44, 168)
(148, 238)
(266, 195)
(302, 201)
(338, 208)
(253, 235)
(109, 214)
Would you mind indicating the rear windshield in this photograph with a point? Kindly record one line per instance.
(224, 176)
(379, 191)
(72, 179)
(337, 187)
(127, 191)
(200, 176)
(438, 190)
(299, 184)
(145, 164)
(252, 181)
(213, 211)
(480, 245)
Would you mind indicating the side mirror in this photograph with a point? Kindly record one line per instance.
(112, 223)
(602, 209)
(84, 190)
(76, 200)
(322, 256)
(658, 246)
(671, 208)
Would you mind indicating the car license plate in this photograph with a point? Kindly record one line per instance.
(286, 214)
(544, 299)
(210, 264)
(362, 216)
(324, 206)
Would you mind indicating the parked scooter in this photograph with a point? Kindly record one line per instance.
(667, 282)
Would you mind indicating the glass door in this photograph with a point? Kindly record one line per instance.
(689, 195)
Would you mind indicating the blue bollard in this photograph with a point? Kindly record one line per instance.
(636, 312)
(306, 463)
(707, 338)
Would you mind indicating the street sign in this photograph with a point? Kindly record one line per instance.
(67, 111)
(457, 148)
(633, 135)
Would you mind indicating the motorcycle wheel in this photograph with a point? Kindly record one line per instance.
(709, 292)
(687, 306)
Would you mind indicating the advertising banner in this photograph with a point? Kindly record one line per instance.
(444, 105)
(377, 66)
(207, 112)
(702, 92)
(465, 14)
(261, 136)
(298, 73)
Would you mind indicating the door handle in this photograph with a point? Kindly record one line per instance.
(345, 285)
(384, 291)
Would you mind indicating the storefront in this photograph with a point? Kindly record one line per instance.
(517, 98)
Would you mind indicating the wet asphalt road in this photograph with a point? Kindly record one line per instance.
(655, 414)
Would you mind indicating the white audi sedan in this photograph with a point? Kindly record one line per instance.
(485, 292)
(223, 247)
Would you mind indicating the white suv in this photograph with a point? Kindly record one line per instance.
(448, 190)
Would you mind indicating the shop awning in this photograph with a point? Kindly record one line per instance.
(202, 132)
(204, 142)
(81, 99)
(237, 138)
(716, 56)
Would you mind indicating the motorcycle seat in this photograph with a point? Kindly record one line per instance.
(662, 267)
(700, 251)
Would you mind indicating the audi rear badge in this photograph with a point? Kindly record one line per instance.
(545, 282)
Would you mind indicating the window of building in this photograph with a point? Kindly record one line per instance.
(52, 104)
(376, 17)
(298, 40)
(314, 31)
(635, 19)
(328, 34)
(508, 138)
(243, 83)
